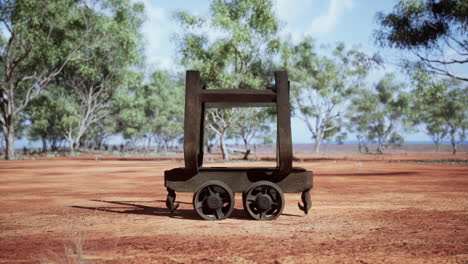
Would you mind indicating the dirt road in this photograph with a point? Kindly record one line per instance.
(114, 212)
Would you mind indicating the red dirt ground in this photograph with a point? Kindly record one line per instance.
(365, 210)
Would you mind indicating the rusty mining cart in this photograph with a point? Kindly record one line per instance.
(214, 187)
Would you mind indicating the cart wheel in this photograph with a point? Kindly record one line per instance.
(214, 200)
(264, 201)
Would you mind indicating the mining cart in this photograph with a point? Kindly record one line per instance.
(262, 188)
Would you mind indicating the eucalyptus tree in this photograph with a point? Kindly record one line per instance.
(128, 108)
(46, 114)
(251, 123)
(441, 106)
(430, 115)
(382, 112)
(112, 47)
(322, 85)
(165, 108)
(219, 122)
(232, 47)
(152, 111)
(434, 31)
(38, 39)
(456, 113)
(98, 133)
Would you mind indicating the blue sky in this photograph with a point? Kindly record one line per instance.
(327, 21)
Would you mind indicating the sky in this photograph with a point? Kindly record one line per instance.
(327, 21)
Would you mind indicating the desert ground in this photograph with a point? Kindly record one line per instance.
(366, 209)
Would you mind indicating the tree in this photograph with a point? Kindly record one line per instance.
(153, 111)
(113, 46)
(166, 107)
(46, 113)
(38, 39)
(251, 122)
(382, 112)
(128, 108)
(97, 134)
(456, 114)
(240, 58)
(442, 107)
(429, 114)
(220, 122)
(322, 85)
(429, 29)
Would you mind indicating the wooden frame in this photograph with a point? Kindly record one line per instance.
(197, 99)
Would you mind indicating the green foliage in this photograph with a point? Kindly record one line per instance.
(38, 38)
(49, 115)
(240, 58)
(428, 28)
(110, 49)
(166, 107)
(441, 106)
(321, 85)
(151, 111)
(380, 114)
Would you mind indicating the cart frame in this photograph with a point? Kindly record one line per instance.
(189, 178)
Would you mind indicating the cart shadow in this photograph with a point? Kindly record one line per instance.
(138, 209)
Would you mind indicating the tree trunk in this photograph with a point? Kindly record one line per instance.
(318, 141)
(72, 145)
(246, 155)
(148, 148)
(165, 147)
(453, 140)
(209, 147)
(54, 144)
(222, 144)
(247, 149)
(437, 144)
(44, 144)
(10, 141)
(76, 144)
(454, 146)
(380, 148)
(2, 142)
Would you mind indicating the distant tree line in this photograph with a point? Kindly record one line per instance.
(72, 75)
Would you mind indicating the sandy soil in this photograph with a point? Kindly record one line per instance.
(112, 211)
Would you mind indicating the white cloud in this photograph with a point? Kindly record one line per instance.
(157, 31)
(291, 14)
(154, 27)
(327, 21)
(289, 9)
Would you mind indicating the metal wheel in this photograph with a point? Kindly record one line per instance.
(214, 200)
(264, 201)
